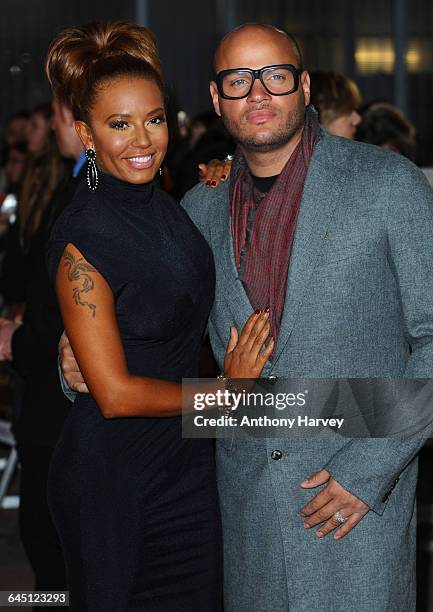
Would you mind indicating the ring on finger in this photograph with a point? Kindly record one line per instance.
(229, 157)
(340, 518)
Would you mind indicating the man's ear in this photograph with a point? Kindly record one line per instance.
(85, 134)
(215, 98)
(305, 84)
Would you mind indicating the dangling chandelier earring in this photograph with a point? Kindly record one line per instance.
(92, 171)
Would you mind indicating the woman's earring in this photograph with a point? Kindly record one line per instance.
(92, 171)
(160, 171)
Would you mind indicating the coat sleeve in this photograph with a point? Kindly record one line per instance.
(370, 468)
(196, 203)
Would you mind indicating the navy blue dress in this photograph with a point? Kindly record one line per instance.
(136, 505)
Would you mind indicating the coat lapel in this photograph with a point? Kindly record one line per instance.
(222, 244)
(321, 197)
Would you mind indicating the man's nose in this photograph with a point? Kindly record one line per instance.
(258, 92)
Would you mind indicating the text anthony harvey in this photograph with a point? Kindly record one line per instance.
(265, 421)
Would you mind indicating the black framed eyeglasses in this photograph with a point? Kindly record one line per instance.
(237, 83)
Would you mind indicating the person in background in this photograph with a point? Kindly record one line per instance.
(44, 172)
(386, 126)
(14, 134)
(16, 128)
(39, 406)
(32, 346)
(209, 140)
(14, 168)
(38, 128)
(337, 100)
(46, 168)
(15, 165)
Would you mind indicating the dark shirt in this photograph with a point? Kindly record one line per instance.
(263, 184)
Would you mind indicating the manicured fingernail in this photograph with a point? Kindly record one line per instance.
(213, 183)
(208, 183)
(337, 536)
(307, 526)
(223, 177)
(320, 534)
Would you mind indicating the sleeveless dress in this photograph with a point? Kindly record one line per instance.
(136, 505)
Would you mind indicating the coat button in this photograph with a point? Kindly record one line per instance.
(276, 454)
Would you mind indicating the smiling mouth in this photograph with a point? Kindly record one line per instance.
(140, 162)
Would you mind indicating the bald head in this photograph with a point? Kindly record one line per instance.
(262, 122)
(260, 34)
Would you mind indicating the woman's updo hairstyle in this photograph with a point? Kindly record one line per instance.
(81, 60)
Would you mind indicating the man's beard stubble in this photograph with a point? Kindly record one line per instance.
(283, 134)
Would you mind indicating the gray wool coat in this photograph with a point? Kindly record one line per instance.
(359, 291)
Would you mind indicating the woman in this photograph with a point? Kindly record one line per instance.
(45, 170)
(38, 128)
(337, 100)
(135, 504)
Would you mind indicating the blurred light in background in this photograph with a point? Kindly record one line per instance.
(376, 55)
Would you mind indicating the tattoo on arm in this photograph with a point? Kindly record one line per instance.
(79, 270)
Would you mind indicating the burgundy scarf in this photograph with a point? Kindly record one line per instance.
(271, 238)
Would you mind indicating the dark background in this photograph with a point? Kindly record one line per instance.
(385, 45)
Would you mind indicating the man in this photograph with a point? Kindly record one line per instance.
(334, 237)
(32, 345)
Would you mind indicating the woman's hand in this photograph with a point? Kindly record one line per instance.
(247, 354)
(215, 171)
